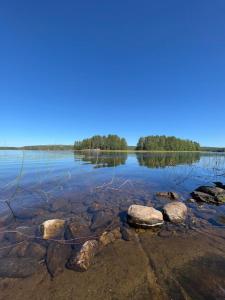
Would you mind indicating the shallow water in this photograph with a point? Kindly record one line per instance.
(96, 189)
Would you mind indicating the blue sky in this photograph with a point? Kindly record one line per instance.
(71, 69)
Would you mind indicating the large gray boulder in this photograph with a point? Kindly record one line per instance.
(144, 216)
(175, 211)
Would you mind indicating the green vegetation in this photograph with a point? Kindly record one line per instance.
(166, 143)
(48, 147)
(109, 142)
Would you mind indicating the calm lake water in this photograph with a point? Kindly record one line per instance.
(37, 178)
(96, 189)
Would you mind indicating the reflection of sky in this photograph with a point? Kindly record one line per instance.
(44, 167)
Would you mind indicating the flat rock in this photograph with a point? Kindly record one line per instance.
(56, 258)
(20, 233)
(169, 195)
(211, 190)
(53, 229)
(82, 260)
(204, 197)
(28, 249)
(175, 211)
(17, 267)
(144, 216)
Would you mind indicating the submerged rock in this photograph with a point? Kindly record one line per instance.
(53, 229)
(101, 219)
(220, 185)
(169, 195)
(203, 197)
(144, 216)
(82, 260)
(209, 194)
(76, 227)
(56, 258)
(17, 267)
(175, 212)
(28, 249)
(6, 216)
(128, 234)
(111, 236)
(211, 190)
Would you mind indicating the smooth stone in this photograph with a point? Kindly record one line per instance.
(82, 260)
(53, 229)
(144, 216)
(17, 267)
(169, 195)
(109, 237)
(175, 212)
(57, 256)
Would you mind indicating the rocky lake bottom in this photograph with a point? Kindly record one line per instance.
(91, 194)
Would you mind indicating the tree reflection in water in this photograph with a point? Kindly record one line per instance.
(162, 160)
(101, 159)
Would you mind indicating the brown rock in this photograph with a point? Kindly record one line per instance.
(169, 195)
(111, 236)
(57, 256)
(82, 260)
(53, 229)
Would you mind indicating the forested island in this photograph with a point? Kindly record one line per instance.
(109, 142)
(166, 143)
(148, 143)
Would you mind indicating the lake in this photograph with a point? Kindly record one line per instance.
(96, 189)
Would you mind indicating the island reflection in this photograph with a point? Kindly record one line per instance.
(101, 159)
(162, 160)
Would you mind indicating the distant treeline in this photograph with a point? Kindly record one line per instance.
(40, 147)
(48, 147)
(166, 143)
(109, 142)
(213, 149)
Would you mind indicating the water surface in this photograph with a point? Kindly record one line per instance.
(96, 189)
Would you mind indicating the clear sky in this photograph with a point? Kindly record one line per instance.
(71, 69)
